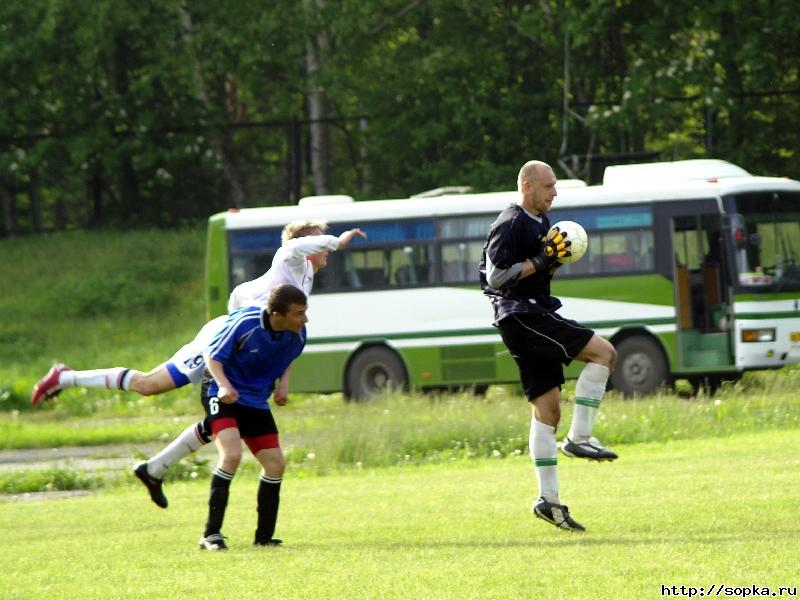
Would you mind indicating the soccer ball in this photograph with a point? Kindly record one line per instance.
(578, 238)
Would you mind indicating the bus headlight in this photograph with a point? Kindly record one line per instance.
(794, 336)
(758, 335)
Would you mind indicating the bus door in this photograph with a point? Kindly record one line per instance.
(702, 296)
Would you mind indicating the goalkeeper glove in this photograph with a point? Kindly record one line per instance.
(555, 246)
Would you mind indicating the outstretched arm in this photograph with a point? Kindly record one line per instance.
(347, 237)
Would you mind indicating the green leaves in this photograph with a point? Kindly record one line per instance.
(143, 112)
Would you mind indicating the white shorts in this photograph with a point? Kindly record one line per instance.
(187, 364)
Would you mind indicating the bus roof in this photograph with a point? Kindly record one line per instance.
(634, 190)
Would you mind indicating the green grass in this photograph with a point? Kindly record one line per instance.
(322, 434)
(404, 427)
(49, 480)
(691, 512)
(96, 299)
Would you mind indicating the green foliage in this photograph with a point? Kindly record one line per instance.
(321, 434)
(161, 113)
(96, 300)
(49, 480)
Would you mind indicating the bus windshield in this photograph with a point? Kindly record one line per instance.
(765, 235)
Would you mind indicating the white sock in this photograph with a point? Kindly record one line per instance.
(187, 442)
(111, 379)
(588, 393)
(544, 452)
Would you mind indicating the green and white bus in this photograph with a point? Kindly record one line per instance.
(692, 272)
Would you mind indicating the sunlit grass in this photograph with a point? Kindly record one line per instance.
(690, 512)
(322, 433)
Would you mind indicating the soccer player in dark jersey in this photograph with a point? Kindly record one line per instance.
(518, 261)
(243, 361)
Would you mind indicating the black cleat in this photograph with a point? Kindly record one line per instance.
(213, 543)
(272, 542)
(152, 484)
(556, 514)
(591, 449)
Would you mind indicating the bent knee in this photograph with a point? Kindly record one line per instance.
(273, 463)
(152, 383)
(610, 356)
(602, 352)
(231, 460)
(276, 465)
(146, 388)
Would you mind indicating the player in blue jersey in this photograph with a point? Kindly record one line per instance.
(518, 261)
(243, 361)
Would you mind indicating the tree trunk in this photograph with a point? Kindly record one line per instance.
(216, 140)
(131, 199)
(35, 205)
(9, 201)
(94, 188)
(733, 79)
(317, 100)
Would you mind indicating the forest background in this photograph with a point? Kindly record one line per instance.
(120, 113)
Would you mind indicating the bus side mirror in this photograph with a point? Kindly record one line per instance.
(734, 224)
(740, 239)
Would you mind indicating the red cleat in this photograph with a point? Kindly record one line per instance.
(48, 386)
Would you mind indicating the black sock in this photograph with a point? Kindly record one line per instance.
(217, 500)
(269, 497)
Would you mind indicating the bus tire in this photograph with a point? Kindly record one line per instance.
(372, 371)
(641, 366)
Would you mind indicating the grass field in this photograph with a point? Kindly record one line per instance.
(699, 512)
(412, 496)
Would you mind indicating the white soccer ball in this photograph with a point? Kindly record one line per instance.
(579, 241)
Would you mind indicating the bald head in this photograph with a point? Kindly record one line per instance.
(532, 171)
(537, 186)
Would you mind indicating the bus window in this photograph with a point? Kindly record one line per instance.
(465, 227)
(251, 252)
(591, 261)
(245, 267)
(460, 257)
(376, 268)
(690, 244)
(627, 251)
(767, 240)
(410, 266)
(460, 261)
(615, 252)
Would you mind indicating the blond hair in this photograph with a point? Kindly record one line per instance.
(530, 172)
(297, 229)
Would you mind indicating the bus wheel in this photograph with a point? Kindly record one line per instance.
(641, 366)
(373, 371)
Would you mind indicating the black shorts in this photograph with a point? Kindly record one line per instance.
(542, 343)
(252, 423)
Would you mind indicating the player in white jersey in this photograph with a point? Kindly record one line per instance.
(293, 264)
(303, 252)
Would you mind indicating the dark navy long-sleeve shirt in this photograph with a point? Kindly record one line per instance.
(516, 235)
